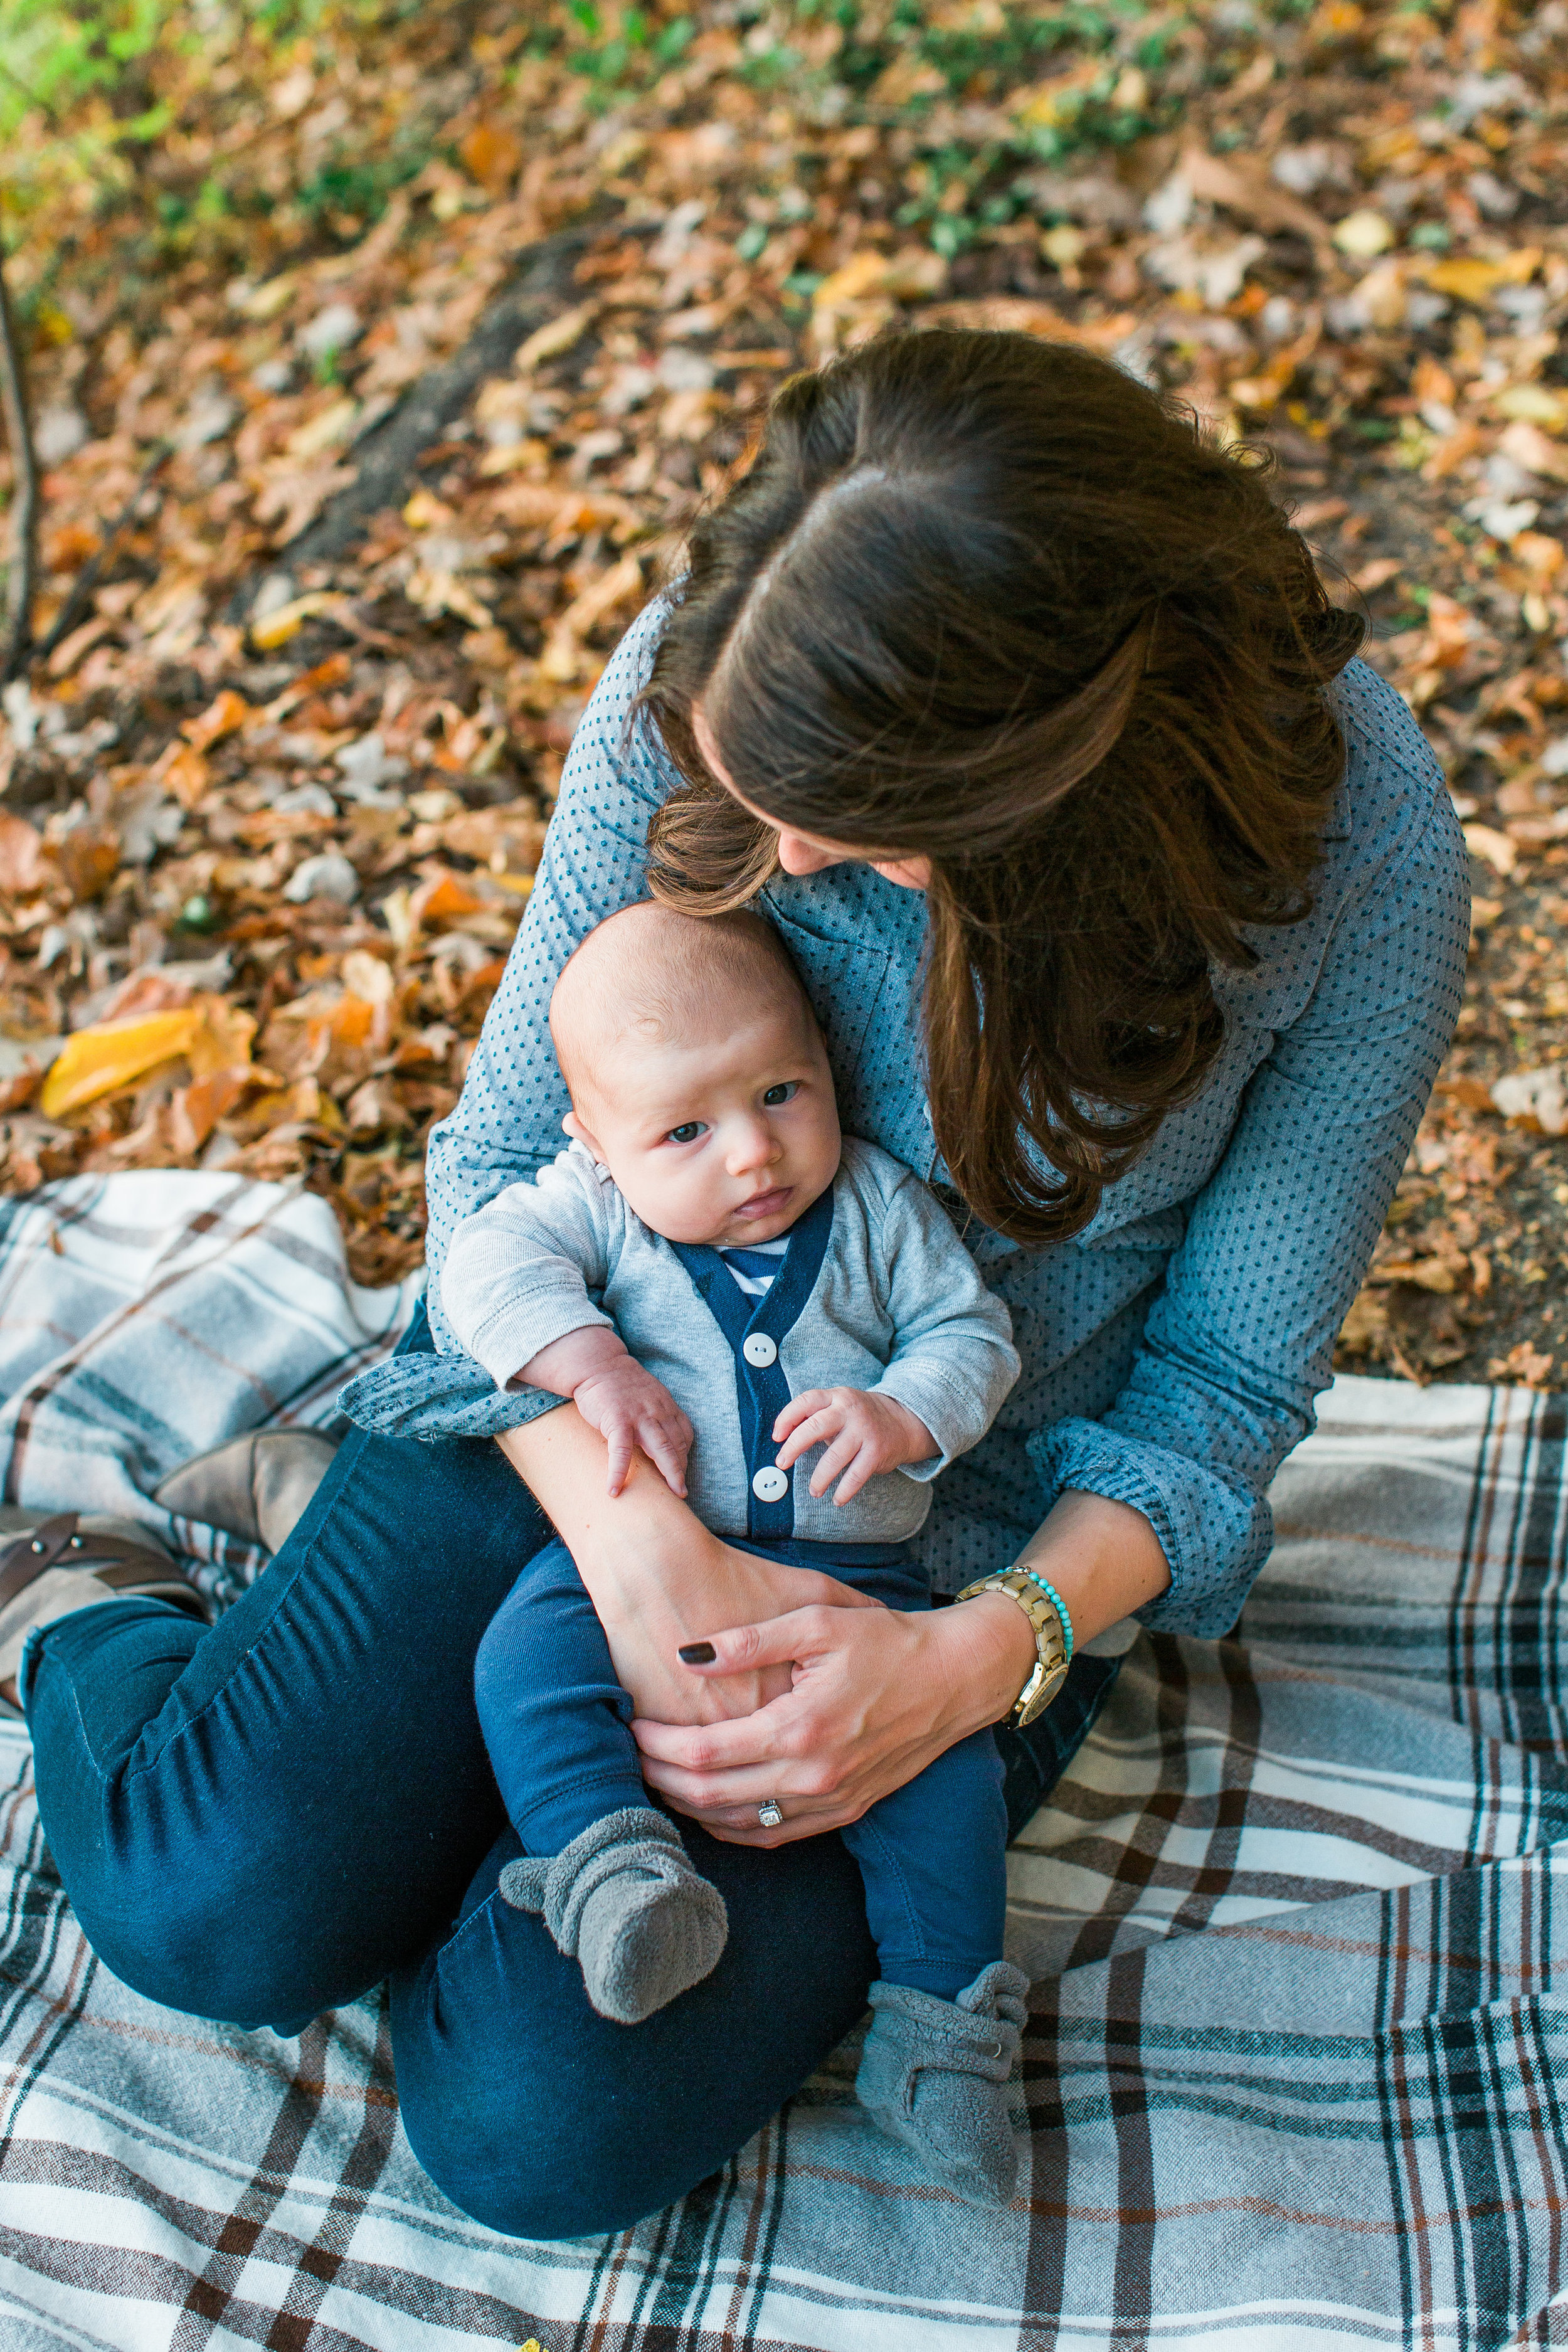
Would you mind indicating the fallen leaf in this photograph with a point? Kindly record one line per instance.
(492, 154)
(556, 336)
(219, 718)
(1364, 234)
(1537, 1094)
(1478, 281)
(285, 621)
(1484, 841)
(112, 1055)
(22, 867)
(182, 774)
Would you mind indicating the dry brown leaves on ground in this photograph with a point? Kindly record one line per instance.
(269, 824)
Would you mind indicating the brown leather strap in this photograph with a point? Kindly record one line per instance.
(59, 1540)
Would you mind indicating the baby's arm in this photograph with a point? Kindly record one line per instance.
(951, 1365)
(515, 1288)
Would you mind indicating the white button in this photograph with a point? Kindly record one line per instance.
(771, 1485)
(760, 1349)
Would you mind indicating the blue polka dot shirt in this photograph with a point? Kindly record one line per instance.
(1172, 1350)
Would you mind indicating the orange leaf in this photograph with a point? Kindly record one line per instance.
(492, 154)
(183, 773)
(443, 899)
(351, 1020)
(197, 1110)
(219, 718)
(89, 860)
(21, 853)
(113, 1055)
(223, 1041)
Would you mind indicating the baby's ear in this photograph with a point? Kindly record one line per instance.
(579, 1134)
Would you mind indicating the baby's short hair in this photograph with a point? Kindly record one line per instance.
(650, 970)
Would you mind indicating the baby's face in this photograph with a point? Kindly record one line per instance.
(723, 1138)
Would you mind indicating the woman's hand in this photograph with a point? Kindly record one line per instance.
(874, 1696)
(715, 1587)
(659, 1579)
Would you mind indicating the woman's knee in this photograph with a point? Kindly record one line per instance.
(214, 1946)
(481, 2145)
(543, 2120)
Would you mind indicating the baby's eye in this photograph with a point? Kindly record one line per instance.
(782, 1094)
(687, 1132)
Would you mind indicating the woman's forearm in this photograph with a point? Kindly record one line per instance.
(1103, 1558)
(621, 1542)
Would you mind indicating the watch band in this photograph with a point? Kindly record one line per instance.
(1047, 1613)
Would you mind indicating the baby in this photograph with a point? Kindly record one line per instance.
(770, 1311)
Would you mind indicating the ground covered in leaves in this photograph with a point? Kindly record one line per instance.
(276, 776)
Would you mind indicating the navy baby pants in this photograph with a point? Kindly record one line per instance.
(556, 1724)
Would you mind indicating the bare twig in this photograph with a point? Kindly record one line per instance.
(25, 481)
(87, 579)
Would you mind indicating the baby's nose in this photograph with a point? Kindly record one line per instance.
(752, 1146)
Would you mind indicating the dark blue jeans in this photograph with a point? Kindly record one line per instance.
(261, 1820)
(557, 1726)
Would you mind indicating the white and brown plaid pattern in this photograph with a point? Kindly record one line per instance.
(1296, 1916)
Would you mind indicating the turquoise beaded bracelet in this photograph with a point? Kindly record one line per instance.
(1054, 1597)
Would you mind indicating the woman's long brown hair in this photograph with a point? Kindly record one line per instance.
(987, 600)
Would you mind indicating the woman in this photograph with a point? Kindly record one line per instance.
(1136, 921)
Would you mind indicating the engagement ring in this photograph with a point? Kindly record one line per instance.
(770, 1814)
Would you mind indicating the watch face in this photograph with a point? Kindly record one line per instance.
(1050, 1686)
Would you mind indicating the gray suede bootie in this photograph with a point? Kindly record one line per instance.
(934, 2074)
(624, 1902)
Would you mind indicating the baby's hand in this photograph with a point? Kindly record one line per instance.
(630, 1408)
(863, 1432)
(613, 1395)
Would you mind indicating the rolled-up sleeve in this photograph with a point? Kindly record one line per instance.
(1240, 1339)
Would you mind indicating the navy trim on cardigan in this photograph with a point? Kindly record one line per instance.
(761, 1391)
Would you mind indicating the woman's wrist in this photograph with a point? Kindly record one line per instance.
(990, 1654)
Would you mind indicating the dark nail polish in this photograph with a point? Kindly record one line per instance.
(697, 1654)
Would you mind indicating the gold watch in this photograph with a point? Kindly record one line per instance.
(1052, 1642)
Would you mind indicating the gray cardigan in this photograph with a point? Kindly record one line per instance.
(876, 1291)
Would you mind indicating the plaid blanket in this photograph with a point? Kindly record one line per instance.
(1295, 1920)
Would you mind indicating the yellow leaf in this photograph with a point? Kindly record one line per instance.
(322, 431)
(100, 1060)
(1537, 403)
(264, 301)
(557, 335)
(1478, 281)
(275, 628)
(1498, 851)
(1363, 234)
(426, 511)
(902, 277)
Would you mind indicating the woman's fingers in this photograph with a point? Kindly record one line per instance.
(775, 1642)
